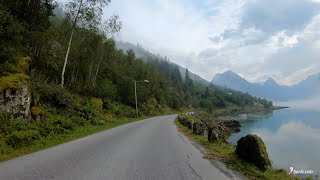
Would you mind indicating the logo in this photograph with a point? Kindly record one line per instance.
(301, 171)
(290, 171)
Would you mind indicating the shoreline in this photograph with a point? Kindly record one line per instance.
(245, 110)
(224, 151)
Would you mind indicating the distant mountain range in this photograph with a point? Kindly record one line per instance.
(147, 56)
(270, 89)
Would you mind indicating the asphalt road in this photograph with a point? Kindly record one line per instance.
(149, 149)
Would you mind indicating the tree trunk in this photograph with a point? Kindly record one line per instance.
(69, 45)
(90, 73)
(95, 76)
(66, 59)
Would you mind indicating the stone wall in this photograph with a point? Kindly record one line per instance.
(16, 102)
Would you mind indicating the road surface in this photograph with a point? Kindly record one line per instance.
(149, 149)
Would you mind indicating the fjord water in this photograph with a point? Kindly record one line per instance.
(292, 137)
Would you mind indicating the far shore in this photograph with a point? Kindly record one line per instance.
(247, 110)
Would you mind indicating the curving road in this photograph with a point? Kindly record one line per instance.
(149, 149)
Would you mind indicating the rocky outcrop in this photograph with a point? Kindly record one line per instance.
(217, 133)
(233, 125)
(16, 102)
(185, 122)
(252, 149)
(199, 128)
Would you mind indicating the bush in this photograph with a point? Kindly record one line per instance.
(53, 94)
(37, 113)
(121, 110)
(96, 122)
(65, 123)
(105, 89)
(4, 148)
(22, 138)
(97, 103)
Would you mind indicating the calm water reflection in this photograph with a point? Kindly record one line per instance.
(292, 137)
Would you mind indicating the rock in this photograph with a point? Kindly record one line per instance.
(252, 149)
(213, 135)
(16, 102)
(185, 122)
(217, 133)
(199, 128)
(233, 125)
(189, 124)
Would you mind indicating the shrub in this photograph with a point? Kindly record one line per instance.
(23, 64)
(105, 89)
(64, 123)
(37, 113)
(53, 94)
(96, 122)
(121, 110)
(4, 148)
(97, 103)
(22, 138)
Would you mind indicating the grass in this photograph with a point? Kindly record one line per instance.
(226, 153)
(76, 133)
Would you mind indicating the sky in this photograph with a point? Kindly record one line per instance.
(255, 38)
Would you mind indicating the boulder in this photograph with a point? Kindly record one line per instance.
(233, 125)
(252, 149)
(16, 100)
(217, 133)
(189, 124)
(185, 122)
(199, 128)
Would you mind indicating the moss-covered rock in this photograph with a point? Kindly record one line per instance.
(199, 128)
(12, 81)
(217, 133)
(15, 96)
(252, 149)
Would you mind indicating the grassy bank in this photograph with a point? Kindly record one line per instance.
(226, 153)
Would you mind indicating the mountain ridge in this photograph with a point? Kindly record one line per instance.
(269, 89)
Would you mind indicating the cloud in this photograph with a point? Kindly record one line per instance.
(255, 38)
(275, 15)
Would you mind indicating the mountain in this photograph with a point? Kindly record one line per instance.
(270, 89)
(149, 57)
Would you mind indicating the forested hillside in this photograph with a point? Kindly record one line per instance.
(150, 57)
(69, 73)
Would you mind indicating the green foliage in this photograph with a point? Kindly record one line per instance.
(23, 64)
(106, 90)
(53, 94)
(97, 103)
(120, 110)
(20, 138)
